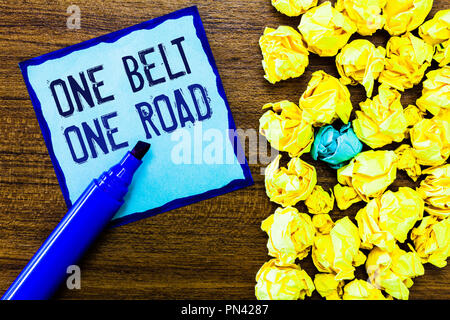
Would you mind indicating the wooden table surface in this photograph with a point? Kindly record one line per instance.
(208, 250)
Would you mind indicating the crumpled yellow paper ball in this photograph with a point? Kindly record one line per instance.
(323, 223)
(436, 30)
(407, 58)
(431, 240)
(381, 120)
(442, 53)
(362, 290)
(392, 271)
(436, 91)
(285, 128)
(366, 14)
(293, 8)
(389, 218)
(338, 252)
(284, 53)
(360, 62)
(437, 33)
(430, 139)
(325, 99)
(369, 173)
(345, 196)
(413, 115)
(328, 287)
(291, 234)
(435, 190)
(407, 161)
(287, 282)
(287, 186)
(320, 201)
(405, 15)
(325, 30)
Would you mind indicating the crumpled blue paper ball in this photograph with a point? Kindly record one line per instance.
(336, 147)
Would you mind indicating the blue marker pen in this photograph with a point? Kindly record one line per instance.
(85, 220)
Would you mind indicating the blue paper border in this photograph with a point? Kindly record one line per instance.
(113, 37)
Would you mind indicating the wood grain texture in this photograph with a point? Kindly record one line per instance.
(209, 250)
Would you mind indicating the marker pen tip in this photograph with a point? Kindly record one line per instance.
(140, 149)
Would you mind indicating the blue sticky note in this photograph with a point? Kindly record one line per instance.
(157, 82)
